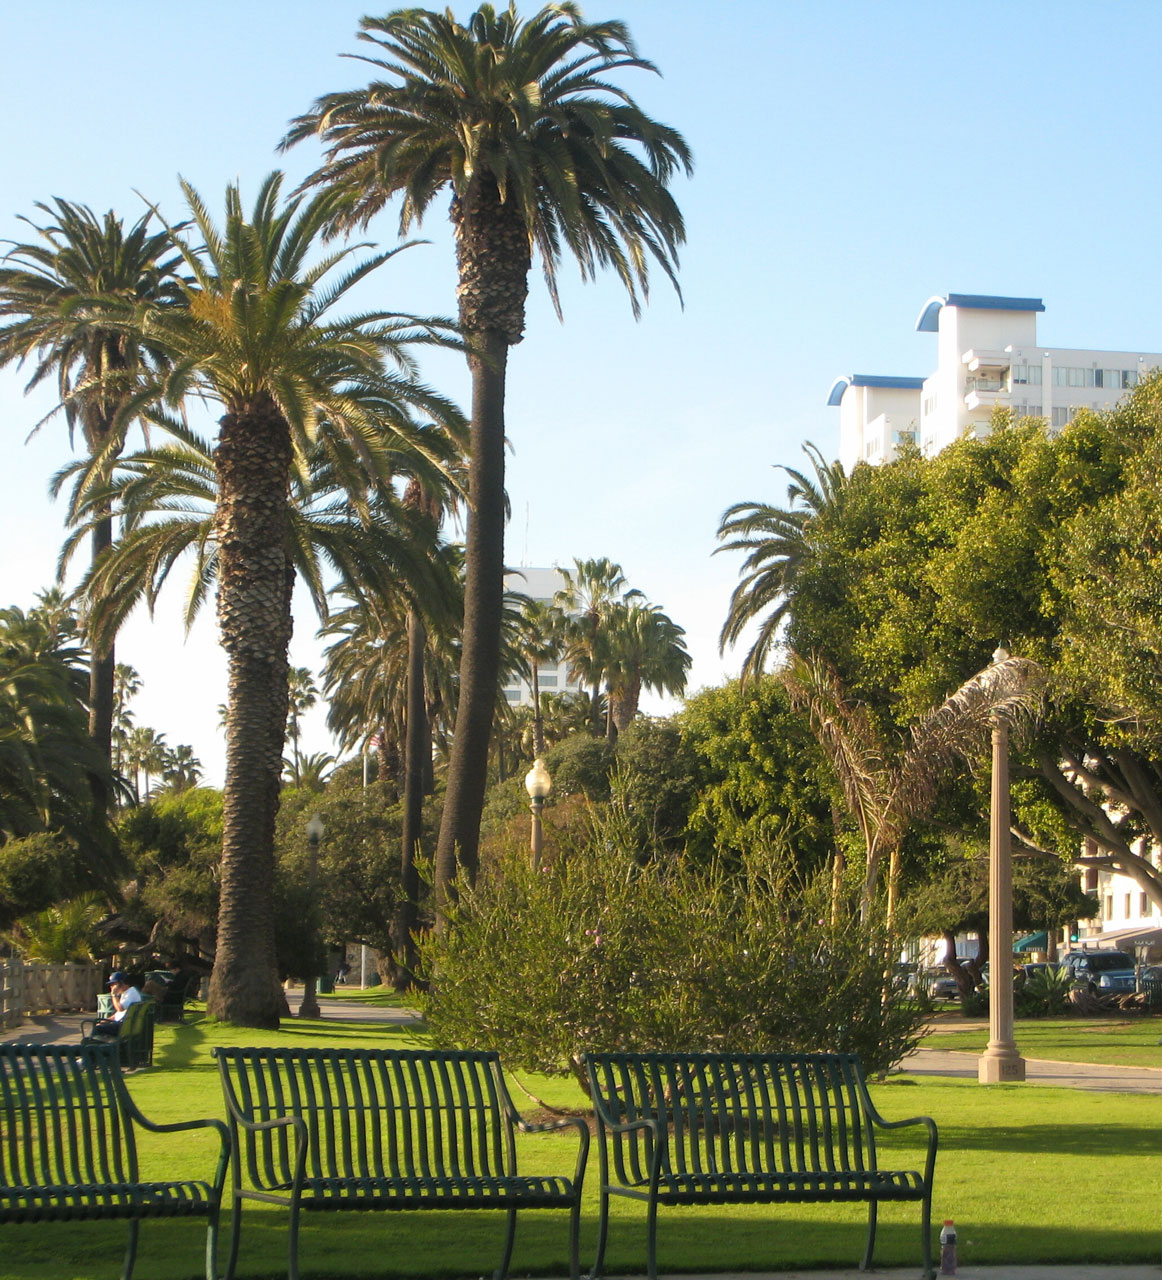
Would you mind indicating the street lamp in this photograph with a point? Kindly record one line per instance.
(316, 830)
(538, 784)
(1000, 1062)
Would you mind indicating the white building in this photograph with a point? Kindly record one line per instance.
(553, 677)
(987, 357)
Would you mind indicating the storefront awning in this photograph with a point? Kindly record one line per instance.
(1121, 939)
(1034, 942)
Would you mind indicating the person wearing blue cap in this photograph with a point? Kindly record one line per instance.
(124, 994)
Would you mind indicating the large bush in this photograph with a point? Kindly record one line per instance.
(600, 951)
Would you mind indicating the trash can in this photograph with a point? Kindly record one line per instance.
(326, 984)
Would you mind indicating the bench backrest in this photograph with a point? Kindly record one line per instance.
(735, 1113)
(135, 1039)
(63, 1117)
(371, 1112)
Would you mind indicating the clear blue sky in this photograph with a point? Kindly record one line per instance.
(852, 160)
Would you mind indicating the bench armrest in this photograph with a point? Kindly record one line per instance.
(555, 1126)
(926, 1121)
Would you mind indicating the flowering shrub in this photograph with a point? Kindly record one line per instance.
(598, 950)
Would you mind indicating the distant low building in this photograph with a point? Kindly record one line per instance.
(553, 677)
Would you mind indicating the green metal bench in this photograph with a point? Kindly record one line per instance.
(693, 1129)
(134, 1037)
(68, 1147)
(331, 1129)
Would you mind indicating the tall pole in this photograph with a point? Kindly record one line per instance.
(1000, 1062)
(538, 784)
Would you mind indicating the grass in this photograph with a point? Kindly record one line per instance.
(1006, 1153)
(1122, 1042)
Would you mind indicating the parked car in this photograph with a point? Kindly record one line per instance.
(1102, 972)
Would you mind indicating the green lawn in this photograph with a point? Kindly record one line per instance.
(1125, 1042)
(1015, 1162)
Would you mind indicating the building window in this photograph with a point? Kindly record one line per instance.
(1027, 374)
(1145, 905)
(1109, 915)
(548, 681)
(512, 695)
(1063, 415)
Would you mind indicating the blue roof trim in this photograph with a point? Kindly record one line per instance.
(840, 385)
(928, 321)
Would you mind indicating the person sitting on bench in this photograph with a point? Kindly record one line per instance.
(124, 994)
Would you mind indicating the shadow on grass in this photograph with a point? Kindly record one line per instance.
(351, 1246)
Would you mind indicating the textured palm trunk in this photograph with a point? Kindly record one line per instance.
(538, 719)
(101, 676)
(418, 746)
(493, 255)
(255, 580)
(624, 704)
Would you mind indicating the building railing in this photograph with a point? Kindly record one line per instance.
(45, 988)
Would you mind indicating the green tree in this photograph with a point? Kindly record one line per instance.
(644, 649)
(302, 697)
(55, 297)
(257, 337)
(542, 152)
(592, 588)
(47, 757)
(779, 543)
(540, 639)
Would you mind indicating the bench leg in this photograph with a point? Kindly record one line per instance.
(212, 1245)
(602, 1235)
(292, 1269)
(652, 1240)
(872, 1216)
(510, 1235)
(926, 1227)
(235, 1233)
(131, 1250)
(575, 1240)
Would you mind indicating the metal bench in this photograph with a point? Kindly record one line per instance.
(703, 1128)
(330, 1129)
(133, 1038)
(68, 1147)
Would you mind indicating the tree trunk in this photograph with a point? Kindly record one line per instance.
(493, 255)
(538, 719)
(417, 746)
(101, 669)
(483, 601)
(255, 580)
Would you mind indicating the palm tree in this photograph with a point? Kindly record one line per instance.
(644, 649)
(257, 338)
(779, 543)
(590, 592)
(885, 790)
(55, 298)
(146, 752)
(541, 153)
(126, 685)
(181, 769)
(303, 696)
(540, 638)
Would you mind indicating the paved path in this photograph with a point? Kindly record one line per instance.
(928, 1060)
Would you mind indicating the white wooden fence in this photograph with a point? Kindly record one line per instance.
(45, 988)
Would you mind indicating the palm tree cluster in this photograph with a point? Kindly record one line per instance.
(332, 460)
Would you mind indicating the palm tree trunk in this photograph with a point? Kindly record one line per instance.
(538, 719)
(418, 744)
(254, 593)
(101, 669)
(483, 601)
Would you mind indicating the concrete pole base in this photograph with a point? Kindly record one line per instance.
(1000, 1066)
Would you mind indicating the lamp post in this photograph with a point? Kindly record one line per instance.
(538, 784)
(309, 1008)
(1000, 1062)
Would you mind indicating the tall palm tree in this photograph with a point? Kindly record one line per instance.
(778, 542)
(257, 337)
(303, 696)
(146, 752)
(55, 298)
(592, 588)
(644, 649)
(541, 153)
(541, 637)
